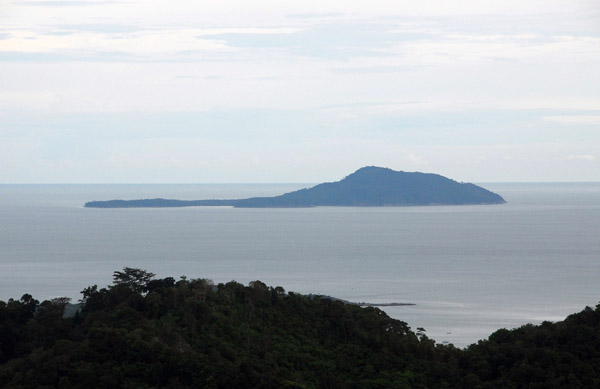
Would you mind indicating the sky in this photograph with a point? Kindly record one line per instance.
(230, 91)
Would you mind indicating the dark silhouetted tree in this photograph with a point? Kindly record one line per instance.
(135, 279)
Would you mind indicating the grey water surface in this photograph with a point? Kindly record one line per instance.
(469, 269)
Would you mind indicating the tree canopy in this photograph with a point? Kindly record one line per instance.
(134, 279)
(147, 332)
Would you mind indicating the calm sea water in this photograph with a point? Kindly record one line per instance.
(469, 269)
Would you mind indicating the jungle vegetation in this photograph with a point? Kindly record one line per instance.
(143, 332)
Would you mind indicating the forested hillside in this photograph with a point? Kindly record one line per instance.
(146, 332)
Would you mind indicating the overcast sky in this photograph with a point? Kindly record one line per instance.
(298, 91)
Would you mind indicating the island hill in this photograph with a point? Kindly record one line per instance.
(367, 187)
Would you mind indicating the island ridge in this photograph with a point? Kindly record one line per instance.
(369, 186)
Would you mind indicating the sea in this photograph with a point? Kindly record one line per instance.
(468, 270)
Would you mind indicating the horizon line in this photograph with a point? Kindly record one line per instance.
(272, 183)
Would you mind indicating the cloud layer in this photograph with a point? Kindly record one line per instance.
(126, 91)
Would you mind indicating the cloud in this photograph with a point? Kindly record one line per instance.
(106, 28)
(574, 119)
(337, 41)
(62, 57)
(583, 157)
(253, 31)
(315, 15)
(556, 102)
(476, 48)
(375, 69)
(415, 160)
(65, 3)
(415, 42)
(147, 42)
(393, 82)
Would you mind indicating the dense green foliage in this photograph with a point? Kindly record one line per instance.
(144, 332)
(552, 355)
(368, 186)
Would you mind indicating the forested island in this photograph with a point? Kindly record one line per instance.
(144, 332)
(369, 186)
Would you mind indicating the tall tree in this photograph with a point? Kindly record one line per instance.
(135, 279)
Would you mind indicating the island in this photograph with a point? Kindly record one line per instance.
(369, 186)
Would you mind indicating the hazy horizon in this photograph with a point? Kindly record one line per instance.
(274, 183)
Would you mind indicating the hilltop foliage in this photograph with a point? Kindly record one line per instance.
(145, 332)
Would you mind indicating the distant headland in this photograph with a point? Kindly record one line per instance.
(369, 186)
